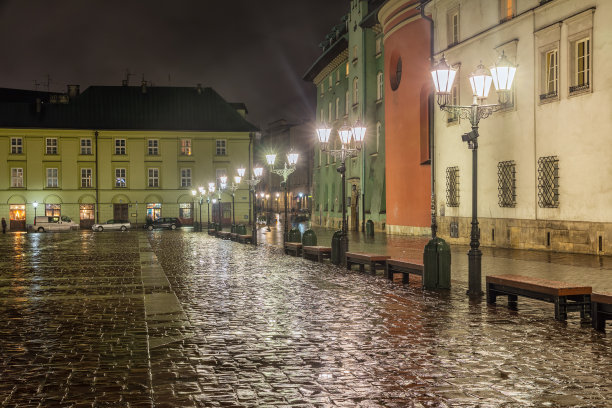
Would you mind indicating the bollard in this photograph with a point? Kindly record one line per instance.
(436, 264)
(335, 248)
(369, 228)
(294, 235)
(309, 238)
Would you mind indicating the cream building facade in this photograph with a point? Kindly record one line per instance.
(544, 163)
(120, 152)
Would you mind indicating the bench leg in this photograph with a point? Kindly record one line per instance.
(491, 294)
(373, 268)
(389, 272)
(406, 278)
(361, 267)
(513, 302)
(561, 308)
(348, 264)
(585, 310)
(599, 319)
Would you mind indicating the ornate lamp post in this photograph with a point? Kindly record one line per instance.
(222, 187)
(35, 205)
(233, 189)
(285, 172)
(277, 196)
(200, 200)
(257, 172)
(352, 142)
(501, 75)
(211, 190)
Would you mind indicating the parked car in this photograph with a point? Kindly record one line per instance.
(121, 225)
(164, 222)
(45, 223)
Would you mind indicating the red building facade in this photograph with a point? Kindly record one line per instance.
(407, 90)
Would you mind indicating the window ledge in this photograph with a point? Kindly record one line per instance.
(355, 61)
(375, 154)
(379, 101)
(355, 105)
(580, 90)
(17, 188)
(378, 55)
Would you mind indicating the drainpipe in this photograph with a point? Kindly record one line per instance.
(434, 224)
(97, 185)
(363, 112)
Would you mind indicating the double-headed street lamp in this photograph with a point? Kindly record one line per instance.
(351, 139)
(222, 186)
(285, 172)
(501, 75)
(257, 173)
(202, 194)
(211, 190)
(233, 188)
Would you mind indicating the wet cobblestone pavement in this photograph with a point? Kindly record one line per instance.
(183, 319)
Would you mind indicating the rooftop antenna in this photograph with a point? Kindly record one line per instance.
(48, 83)
(128, 74)
(36, 85)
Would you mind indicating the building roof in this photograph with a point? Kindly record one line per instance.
(328, 56)
(23, 95)
(129, 108)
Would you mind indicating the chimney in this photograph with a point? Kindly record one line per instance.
(199, 89)
(74, 91)
(124, 82)
(143, 86)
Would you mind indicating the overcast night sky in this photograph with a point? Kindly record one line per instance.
(249, 51)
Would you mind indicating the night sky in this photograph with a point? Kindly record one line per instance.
(249, 51)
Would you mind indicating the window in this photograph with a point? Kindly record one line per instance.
(16, 145)
(86, 212)
(337, 108)
(355, 91)
(17, 177)
(185, 177)
(378, 46)
(378, 133)
(52, 177)
(185, 147)
(581, 65)
(120, 146)
(379, 86)
(338, 76)
(551, 74)
(330, 81)
(120, 178)
(329, 113)
(321, 115)
(53, 210)
(86, 146)
(185, 210)
(86, 178)
(347, 70)
(506, 187)
(396, 72)
(51, 145)
(221, 147)
(153, 177)
(453, 26)
(507, 9)
(219, 173)
(346, 103)
(322, 89)
(452, 186)
(153, 149)
(548, 182)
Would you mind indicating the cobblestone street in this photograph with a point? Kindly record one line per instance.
(176, 318)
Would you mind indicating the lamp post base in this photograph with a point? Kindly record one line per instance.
(343, 248)
(474, 273)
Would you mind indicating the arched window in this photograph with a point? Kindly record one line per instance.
(346, 103)
(378, 134)
(337, 108)
(379, 86)
(355, 90)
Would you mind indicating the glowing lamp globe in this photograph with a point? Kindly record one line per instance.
(481, 80)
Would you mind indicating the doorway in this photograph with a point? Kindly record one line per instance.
(226, 210)
(17, 217)
(120, 212)
(86, 215)
(153, 211)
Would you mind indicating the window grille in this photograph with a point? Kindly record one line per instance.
(452, 186)
(52, 145)
(548, 182)
(86, 146)
(153, 149)
(222, 145)
(120, 146)
(506, 177)
(16, 145)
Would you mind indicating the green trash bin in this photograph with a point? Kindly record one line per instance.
(294, 235)
(309, 238)
(335, 248)
(436, 265)
(241, 229)
(369, 228)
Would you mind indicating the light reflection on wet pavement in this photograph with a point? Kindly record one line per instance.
(183, 319)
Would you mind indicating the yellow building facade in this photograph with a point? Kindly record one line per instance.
(103, 172)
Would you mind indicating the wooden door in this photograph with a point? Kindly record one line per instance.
(120, 212)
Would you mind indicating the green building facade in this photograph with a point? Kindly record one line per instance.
(121, 153)
(350, 88)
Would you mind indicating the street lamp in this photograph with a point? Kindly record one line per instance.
(222, 186)
(501, 75)
(35, 204)
(257, 172)
(285, 172)
(200, 198)
(233, 189)
(211, 190)
(277, 196)
(352, 142)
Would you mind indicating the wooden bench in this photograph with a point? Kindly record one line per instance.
(405, 268)
(223, 234)
(566, 297)
(372, 260)
(316, 252)
(601, 310)
(212, 232)
(245, 239)
(293, 248)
